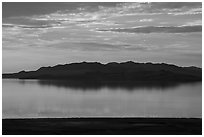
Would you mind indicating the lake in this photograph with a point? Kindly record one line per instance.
(35, 98)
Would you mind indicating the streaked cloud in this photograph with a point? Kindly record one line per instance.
(194, 23)
(26, 26)
(146, 20)
(158, 29)
(84, 13)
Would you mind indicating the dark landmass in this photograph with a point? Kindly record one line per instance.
(102, 126)
(113, 72)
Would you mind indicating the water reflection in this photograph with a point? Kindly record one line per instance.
(96, 86)
(33, 98)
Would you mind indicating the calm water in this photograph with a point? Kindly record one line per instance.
(33, 98)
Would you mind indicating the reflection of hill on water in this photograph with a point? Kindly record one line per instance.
(94, 86)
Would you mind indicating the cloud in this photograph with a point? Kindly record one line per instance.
(92, 46)
(26, 26)
(28, 22)
(115, 46)
(103, 45)
(194, 55)
(158, 29)
(97, 46)
(152, 8)
(35, 27)
(175, 5)
(193, 23)
(48, 15)
(12, 9)
(146, 20)
(80, 20)
(8, 25)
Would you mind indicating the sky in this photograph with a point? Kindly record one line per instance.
(46, 34)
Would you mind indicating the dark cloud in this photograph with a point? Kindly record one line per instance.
(32, 22)
(172, 7)
(8, 25)
(175, 5)
(158, 29)
(12, 9)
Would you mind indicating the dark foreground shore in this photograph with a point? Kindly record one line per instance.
(102, 126)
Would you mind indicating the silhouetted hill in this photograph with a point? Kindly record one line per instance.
(113, 72)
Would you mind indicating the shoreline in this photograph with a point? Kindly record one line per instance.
(102, 126)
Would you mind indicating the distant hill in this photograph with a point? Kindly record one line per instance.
(113, 72)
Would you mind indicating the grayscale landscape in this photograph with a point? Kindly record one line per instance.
(101, 68)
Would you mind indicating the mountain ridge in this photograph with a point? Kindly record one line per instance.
(112, 71)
